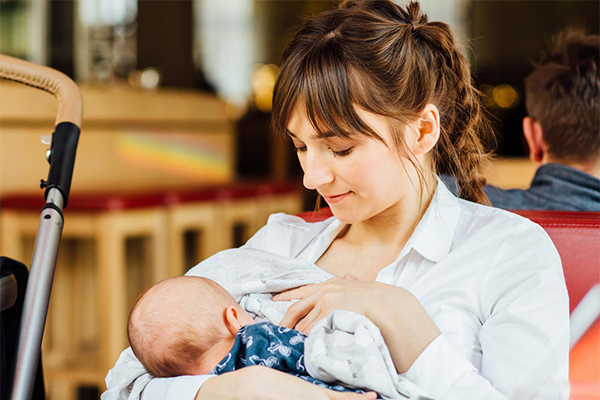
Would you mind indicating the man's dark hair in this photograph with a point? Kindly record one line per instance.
(563, 95)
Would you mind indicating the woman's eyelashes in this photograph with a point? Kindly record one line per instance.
(342, 153)
(300, 147)
(336, 153)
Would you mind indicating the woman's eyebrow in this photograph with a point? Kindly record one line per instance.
(321, 135)
(290, 134)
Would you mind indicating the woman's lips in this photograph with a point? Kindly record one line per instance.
(336, 198)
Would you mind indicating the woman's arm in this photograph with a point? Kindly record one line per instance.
(262, 383)
(129, 380)
(404, 324)
(524, 337)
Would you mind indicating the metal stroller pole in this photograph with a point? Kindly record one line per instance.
(37, 296)
(61, 158)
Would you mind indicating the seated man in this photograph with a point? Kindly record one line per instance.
(562, 130)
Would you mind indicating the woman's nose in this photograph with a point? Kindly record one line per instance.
(317, 172)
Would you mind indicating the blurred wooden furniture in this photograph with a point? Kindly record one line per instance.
(115, 246)
(191, 215)
(132, 140)
(221, 217)
(94, 284)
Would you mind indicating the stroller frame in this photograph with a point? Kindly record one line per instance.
(61, 157)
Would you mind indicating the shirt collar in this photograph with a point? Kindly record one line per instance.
(435, 232)
(432, 237)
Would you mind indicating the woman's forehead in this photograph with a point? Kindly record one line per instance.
(300, 127)
(301, 122)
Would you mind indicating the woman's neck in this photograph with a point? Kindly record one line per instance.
(388, 232)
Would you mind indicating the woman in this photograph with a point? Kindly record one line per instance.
(470, 300)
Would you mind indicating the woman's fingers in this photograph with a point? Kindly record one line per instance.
(305, 324)
(297, 293)
(297, 311)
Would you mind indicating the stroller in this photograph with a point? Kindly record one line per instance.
(24, 299)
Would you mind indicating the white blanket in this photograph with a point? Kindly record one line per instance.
(344, 347)
(347, 347)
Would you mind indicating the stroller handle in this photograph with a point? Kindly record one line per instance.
(70, 107)
(68, 119)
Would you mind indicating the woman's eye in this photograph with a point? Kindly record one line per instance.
(300, 149)
(343, 153)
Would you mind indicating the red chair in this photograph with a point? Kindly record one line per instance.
(576, 236)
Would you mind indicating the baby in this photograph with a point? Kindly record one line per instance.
(192, 326)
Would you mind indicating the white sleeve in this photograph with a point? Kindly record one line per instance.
(129, 380)
(179, 388)
(524, 336)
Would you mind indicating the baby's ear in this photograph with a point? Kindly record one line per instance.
(232, 319)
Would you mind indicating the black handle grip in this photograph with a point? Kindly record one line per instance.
(62, 158)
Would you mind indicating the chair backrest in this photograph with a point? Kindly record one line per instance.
(576, 236)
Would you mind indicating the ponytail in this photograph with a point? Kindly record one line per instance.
(464, 127)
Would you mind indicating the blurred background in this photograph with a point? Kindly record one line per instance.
(177, 98)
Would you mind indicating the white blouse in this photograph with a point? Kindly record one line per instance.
(492, 282)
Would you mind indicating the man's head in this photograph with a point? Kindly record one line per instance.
(563, 102)
(184, 326)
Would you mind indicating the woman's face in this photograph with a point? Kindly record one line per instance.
(359, 177)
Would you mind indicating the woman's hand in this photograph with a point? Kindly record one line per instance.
(404, 324)
(318, 300)
(262, 383)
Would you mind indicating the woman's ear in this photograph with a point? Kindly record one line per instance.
(428, 130)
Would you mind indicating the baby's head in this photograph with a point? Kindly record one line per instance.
(184, 326)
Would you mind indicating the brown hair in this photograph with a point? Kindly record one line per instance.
(392, 62)
(563, 95)
(174, 323)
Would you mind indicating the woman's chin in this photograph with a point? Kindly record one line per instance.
(345, 215)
